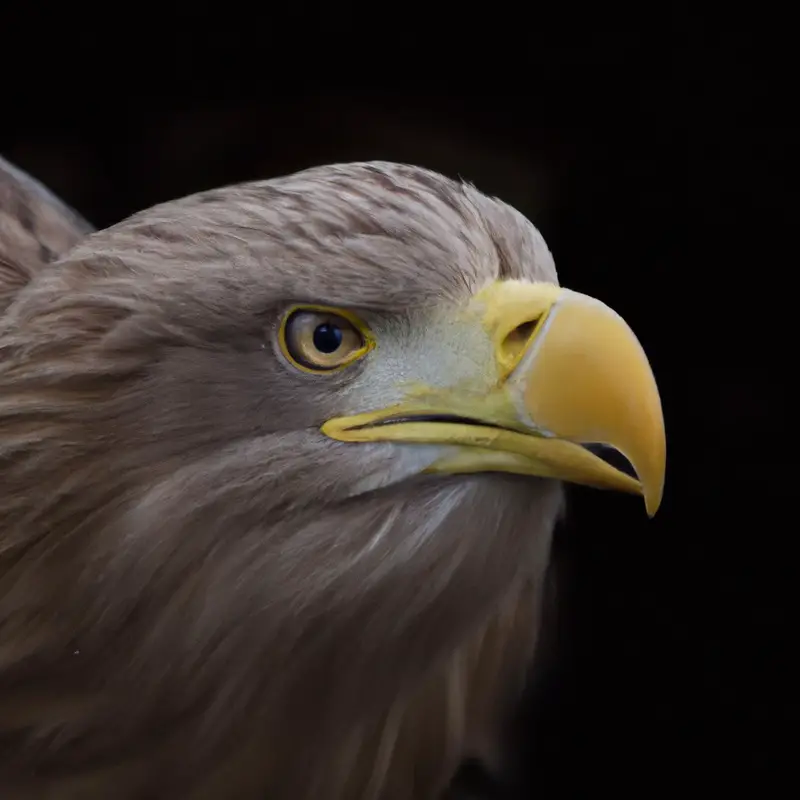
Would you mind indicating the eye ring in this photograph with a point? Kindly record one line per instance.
(323, 339)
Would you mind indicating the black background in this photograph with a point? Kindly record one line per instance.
(657, 164)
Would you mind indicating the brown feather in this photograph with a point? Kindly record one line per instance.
(35, 229)
(201, 596)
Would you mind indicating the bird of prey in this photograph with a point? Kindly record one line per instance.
(281, 464)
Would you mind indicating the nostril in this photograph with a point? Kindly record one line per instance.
(514, 345)
(519, 337)
(525, 330)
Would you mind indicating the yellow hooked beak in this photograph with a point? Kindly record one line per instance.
(568, 372)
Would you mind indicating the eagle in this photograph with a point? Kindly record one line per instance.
(280, 465)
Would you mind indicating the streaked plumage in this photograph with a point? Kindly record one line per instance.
(35, 228)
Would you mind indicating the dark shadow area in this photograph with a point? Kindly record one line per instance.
(659, 178)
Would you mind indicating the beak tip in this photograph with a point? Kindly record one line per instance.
(652, 501)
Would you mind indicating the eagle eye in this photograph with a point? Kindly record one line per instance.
(321, 339)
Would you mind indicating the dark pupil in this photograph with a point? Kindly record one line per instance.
(327, 338)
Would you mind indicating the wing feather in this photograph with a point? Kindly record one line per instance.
(36, 227)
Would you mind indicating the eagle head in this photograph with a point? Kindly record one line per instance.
(280, 467)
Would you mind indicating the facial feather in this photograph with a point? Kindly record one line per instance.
(176, 530)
